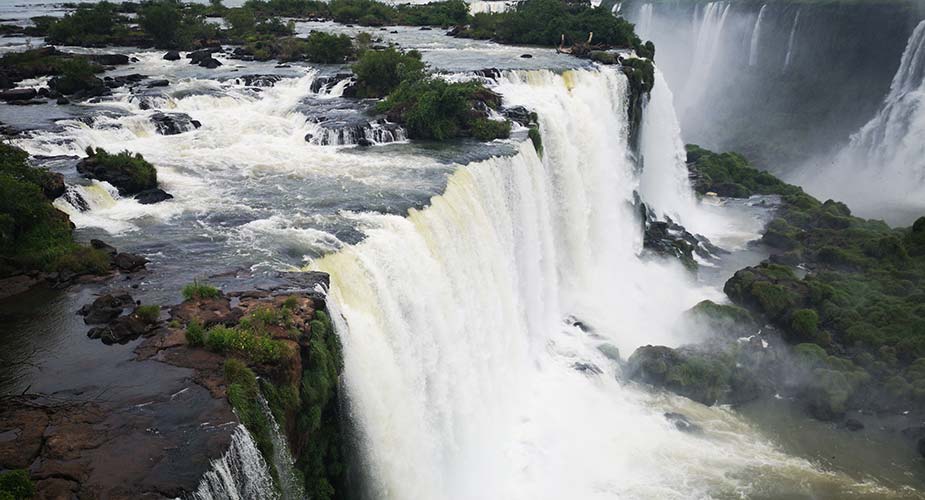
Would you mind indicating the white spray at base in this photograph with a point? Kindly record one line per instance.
(241, 474)
(466, 375)
(881, 173)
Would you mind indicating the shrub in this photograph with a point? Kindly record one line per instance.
(83, 260)
(243, 394)
(381, 71)
(199, 291)
(88, 25)
(16, 485)
(327, 48)
(804, 324)
(195, 334)
(484, 129)
(129, 173)
(255, 346)
(534, 134)
(148, 313)
(76, 75)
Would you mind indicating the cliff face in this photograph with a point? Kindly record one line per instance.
(776, 80)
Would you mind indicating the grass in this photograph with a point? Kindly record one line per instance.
(199, 291)
(148, 313)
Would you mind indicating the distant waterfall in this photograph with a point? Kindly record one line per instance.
(290, 484)
(241, 474)
(706, 47)
(882, 170)
(644, 26)
(756, 37)
(793, 32)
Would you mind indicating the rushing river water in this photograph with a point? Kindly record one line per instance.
(458, 274)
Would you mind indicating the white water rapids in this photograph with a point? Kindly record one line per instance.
(462, 361)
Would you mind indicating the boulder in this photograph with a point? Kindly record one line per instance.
(173, 123)
(198, 56)
(158, 83)
(210, 63)
(18, 94)
(53, 185)
(152, 196)
(121, 330)
(682, 423)
(700, 376)
(106, 247)
(110, 59)
(264, 80)
(129, 262)
(520, 115)
(209, 312)
(853, 425)
(172, 55)
(106, 308)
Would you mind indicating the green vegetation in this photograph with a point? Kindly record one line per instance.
(544, 22)
(251, 338)
(148, 313)
(89, 25)
(379, 72)
(244, 396)
(322, 460)
(534, 134)
(77, 75)
(16, 485)
(16, 66)
(199, 291)
(328, 49)
(129, 173)
(862, 301)
(33, 233)
(484, 129)
(195, 334)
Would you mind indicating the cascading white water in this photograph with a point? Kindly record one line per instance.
(290, 484)
(706, 48)
(644, 25)
(756, 37)
(466, 374)
(241, 474)
(882, 170)
(793, 33)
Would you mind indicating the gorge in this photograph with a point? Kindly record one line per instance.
(341, 306)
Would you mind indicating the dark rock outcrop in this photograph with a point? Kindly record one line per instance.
(152, 196)
(110, 59)
(158, 83)
(53, 185)
(174, 123)
(129, 262)
(172, 55)
(106, 308)
(18, 94)
(682, 423)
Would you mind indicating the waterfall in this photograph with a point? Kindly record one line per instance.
(241, 474)
(881, 172)
(756, 35)
(706, 49)
(644, 25)
(290, 484)
(793, 32)
(466, 371)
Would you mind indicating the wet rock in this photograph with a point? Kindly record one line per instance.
(173, 123)
(152, 196)
(210, 63)
(18, 94)
(520, 115)
(106, 308)
(326, 82)
(110, 59)
(172, 55)
(198, 56)
(587, 368)
(30, 102)
(492, 73)
(853, 425)
(106, 247)
(526, 56)
(120, 330)
(63, 100)
(209, 312)
(610, 351)
(53, 185)
(261, 81)
(682, 423)
(158, 83)
(129, 262)
(701, 376)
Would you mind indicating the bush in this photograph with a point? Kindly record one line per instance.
(379, 72)
(257, 347)
(243, 394)
(199, 291)
(195, 334)
(16, 485)
(534, 134)
(804, 324)
(171, 26)
(83, 260)
(77, 75)
(148, 313)
(484, 129)
(325, 48)
(129, 173)
(88, 25)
